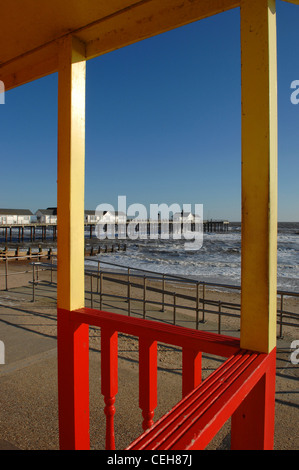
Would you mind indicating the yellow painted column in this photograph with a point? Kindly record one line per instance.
(259, 175)
(71, 166)
(72, 336)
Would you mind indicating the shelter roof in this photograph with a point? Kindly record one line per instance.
(15, 212)
(30, 31)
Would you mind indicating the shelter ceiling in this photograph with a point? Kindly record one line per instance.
(30, 30)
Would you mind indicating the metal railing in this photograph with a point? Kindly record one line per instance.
(146, 282)
(32, 256)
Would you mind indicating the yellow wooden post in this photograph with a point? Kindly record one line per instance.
(72, 337)
(71, 163)
(259, 175)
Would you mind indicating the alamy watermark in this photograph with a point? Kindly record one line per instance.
(2, 92)
(163, 221)
(294, 358)
(295, 94)
(2, 353)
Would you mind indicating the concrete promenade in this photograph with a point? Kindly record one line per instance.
(28, 379)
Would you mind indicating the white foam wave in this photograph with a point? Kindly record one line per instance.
(219, 260)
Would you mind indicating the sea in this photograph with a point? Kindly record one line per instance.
(217, 261)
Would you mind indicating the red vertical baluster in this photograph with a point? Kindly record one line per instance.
(73, 382)
(191, 370)
(252, 424)
(147, 380)
(109, 381)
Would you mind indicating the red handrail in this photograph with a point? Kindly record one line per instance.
(242, 388)
(73, 357)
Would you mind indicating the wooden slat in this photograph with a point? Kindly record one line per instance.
(195, 420)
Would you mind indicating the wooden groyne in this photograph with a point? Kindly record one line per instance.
(105, 248)
(21, 253)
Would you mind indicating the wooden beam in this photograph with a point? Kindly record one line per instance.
(259, 175)
(146, 20)
(143, 19)
(32, 66)
(296, 2)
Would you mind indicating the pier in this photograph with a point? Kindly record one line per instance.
(215, 226)
(37, 231)
(28, 232)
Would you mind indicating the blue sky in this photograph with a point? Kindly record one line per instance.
(162, 124)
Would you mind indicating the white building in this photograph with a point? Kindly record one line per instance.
(47, 216)
(184, 217)
(118, 217)
(15, 216)
(111, 217)
(90, 216)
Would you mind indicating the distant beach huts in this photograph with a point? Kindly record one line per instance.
(16, 216)
(90, 217)
(179, 221)
(106, 217)
(186, 217)
(47, 216)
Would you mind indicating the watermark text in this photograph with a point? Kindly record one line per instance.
(163, 221)
(2, 92)
(295, 94)
(2, 353)
(295, 354)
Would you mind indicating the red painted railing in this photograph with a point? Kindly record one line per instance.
(73, 366)
(241, 388)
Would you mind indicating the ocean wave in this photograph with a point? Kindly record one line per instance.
(219, 259)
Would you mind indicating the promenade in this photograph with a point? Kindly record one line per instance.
(28, 379)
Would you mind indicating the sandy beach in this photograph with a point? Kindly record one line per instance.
(210, 300)
(29, 376)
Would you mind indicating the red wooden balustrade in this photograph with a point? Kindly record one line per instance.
(243, 388)
(109, 383)
(73, 379)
